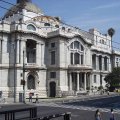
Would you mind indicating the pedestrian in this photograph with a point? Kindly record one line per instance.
(30, 97)
(112, 115)
(97, 115)
(36, 98)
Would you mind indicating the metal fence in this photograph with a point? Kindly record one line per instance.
(64, 116)
(30, 113)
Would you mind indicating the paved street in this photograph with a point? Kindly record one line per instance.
(110, 102)
(80, 110)
(84, 109)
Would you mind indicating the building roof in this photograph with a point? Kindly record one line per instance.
(23, 4)
(44, 18)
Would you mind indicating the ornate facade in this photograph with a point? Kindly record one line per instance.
(54, 59)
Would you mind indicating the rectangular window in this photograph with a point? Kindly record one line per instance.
(95, 79)
(52, 57)
(52, 45)
(52, 74)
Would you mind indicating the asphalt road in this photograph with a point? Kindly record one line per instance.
(47, 109)
(110, 102)
(75, 113)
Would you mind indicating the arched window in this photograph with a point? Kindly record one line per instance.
(31, 27)
(77, 58)
(71, 56)
(31, 82)
(94, 61)
(102, 41)
(47, 24)
(71, 46)
(63, 28)
(105, 63)
(77, 53)
(82, 49)
(100, 62)
(57, 26)
(76, 45)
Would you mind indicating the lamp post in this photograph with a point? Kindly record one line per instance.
(100, 78)
(111, 32)
(23, 83)
(14, 52)
(117, 64)
(100, 68)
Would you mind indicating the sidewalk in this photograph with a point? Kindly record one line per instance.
(64, 99)
(74, 98)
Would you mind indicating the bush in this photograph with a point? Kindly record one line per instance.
(100, 87)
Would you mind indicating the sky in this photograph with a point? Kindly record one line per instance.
(85, 14)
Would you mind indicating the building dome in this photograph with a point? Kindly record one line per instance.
(23, 4)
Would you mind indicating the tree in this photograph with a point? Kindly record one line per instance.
(113, 78)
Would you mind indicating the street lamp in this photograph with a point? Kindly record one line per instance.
(117, 64)
(23, 77)
(100, 68)
(111, 32)
(14, 52)
(23, 80)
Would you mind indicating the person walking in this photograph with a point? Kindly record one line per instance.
(112, 115)
(98, 115)
(36, 99)
(30, 97)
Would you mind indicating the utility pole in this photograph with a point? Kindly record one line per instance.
(117, 64)
(23, 77)
(101, 72)
(14, 49)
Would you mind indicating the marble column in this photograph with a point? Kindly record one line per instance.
(90, 80)
(108, 63)
(103, 64)
(85, 81)
(38, 54)
(70, 81)
(17, 51)
(42, 54)
(0, 51)
(78, 82)
(73, 59)
(23, 47)
(97, 62)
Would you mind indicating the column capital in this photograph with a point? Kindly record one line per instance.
(37, 42)
(22, 39)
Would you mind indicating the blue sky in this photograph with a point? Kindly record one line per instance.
(85, 14)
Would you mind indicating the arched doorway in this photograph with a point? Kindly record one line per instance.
(52, 89)
(31, 82)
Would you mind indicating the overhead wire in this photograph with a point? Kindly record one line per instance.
(60, 21)
(69, 26)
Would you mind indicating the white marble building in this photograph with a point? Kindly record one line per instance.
(58, 59)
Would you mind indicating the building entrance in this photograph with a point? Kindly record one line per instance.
(52, 89)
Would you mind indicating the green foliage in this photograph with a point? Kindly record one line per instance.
(100, 87)
(88, 88)
(113, 78)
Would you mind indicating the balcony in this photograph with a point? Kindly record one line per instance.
(31, 66)
(80, 67)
